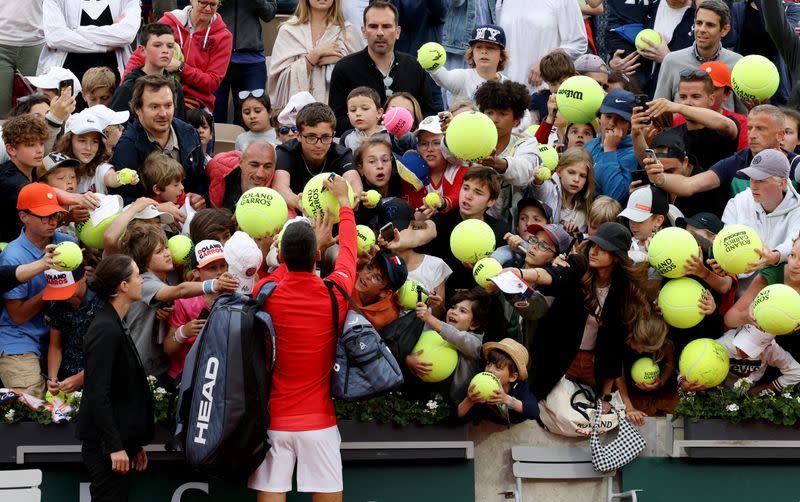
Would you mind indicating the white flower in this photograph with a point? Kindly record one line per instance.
(787, 395)
(798, 399)
(767, 392)
(77, 394)
(432, 405)
(742, 384)
(160, 390)
(151, 379)
(9, 416)
(732, 408)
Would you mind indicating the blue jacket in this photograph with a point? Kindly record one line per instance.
(460, 25)
(422, 22)
(612, 170)
(133, 147)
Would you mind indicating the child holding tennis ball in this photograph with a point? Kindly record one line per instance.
(515, 403)
(570, 191)
(463, 328)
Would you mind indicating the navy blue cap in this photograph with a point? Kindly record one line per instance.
(489, 33)
(619, 102)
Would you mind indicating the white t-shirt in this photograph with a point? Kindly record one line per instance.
(460, 82)
(431, 272)
(94, 183)
(667, 19)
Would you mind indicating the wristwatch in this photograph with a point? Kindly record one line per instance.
(181, 67)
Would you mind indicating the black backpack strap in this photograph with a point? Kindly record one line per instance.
(346, 296)
(334, 305)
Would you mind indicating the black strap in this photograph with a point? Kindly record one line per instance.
(346, 296)
(334, 306)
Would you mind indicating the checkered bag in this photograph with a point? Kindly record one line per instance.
(619, 452)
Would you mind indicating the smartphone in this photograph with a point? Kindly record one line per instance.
(63, 85)
(640, 175)
(641, 100)
(204, 313)
(651, 154)
(387, 232)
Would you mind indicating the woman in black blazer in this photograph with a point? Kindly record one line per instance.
(116, 413)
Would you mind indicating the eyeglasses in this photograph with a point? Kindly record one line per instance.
(55, 217)
(205, 5)
(373, 274)
(313, 139)
(285, 130)
(424, 145)
(256, 93)
(690, 73)
(387, 82)
(542, 245)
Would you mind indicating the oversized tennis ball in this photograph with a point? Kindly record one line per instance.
(735, 247)
(651, 36)
(373, 197)
(472, 240)
(543, 173)
(484, 384)
(704, 361)
(317, 201)
(485, 269)
(471, 136)
(3, 245)
(69, 256)
(261, 211)
(439, 353)
(777, 309)
(644, 370)
(126, 176)
(433, 200)
(409, 293)
(431, 56)
(755, 77)
(579, 99)
(398, 121)
(549, 156)
(92, 235)
(180, 247)
(366, 239)
(669, 249)
(532, 130)
(679, 300)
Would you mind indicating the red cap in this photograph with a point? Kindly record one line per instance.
(39, 199)
(719, 72)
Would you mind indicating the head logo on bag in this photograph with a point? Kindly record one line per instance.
(204, 408)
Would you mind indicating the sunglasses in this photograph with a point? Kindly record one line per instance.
(284, 130)
(689, 73)
(387, 82)
(256, 93)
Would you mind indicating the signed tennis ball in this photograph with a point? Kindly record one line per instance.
(431, 56)
(776, 309)
(317, 201)
(69, 255)
(409, 293)
(704, 361)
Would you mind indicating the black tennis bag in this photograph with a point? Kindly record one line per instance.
(222, 417)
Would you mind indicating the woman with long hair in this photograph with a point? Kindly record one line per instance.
(597, 301)
(116, 414)
(307, 47)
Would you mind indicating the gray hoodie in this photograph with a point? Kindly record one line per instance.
(243, 18)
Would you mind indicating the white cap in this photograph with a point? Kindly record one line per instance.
(244, 259)
(109, 116)
(152, 211)
(109, 206)
(752, 341)
(85, 122)
(645, 202)
(51, 79)
(288, 115)
(430, 124)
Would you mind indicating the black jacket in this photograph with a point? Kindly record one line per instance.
(117, 405)
(289, 157)
(133, 147)
(121, 101)
(243, 18)
(358, 69)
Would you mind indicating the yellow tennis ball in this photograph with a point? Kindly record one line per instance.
(126, 175)
(484, 384)
(532, 129)
(261, 211)
(735, 246)
(579, 99)
(373, 197)
(669, 249)
(704, 361)
(92, 235)
(776, 309)
(366, 239)
(651, 36)
(409, 293)
(317, 201)
(549, 156)
(485, 269)
(472, 240)
(471, 136)
(431, 56)
(439, 353)
(433, 200)
(180, 247)
(543, 173)
(679, 301)
(3, 245)
(755, 77)
(644, 370)
(69, 255)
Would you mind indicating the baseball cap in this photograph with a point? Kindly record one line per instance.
(557, 234)
(394, 268)
(719, 72)
(288, 115)
(672, 140)
(533, 201)
(707, 221)
(205, 252)
(244, 258)
(396, 211)
(38, 199)
(591, 63)
(769, 162)
(52, 77)
(430, 124)
(109, 116)
(61, 285)
(645, 202)
(752, 341)
(619, 102)
(489, 33)
(152, 211)
(612, 237)
(85, 122)
(55, 160)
